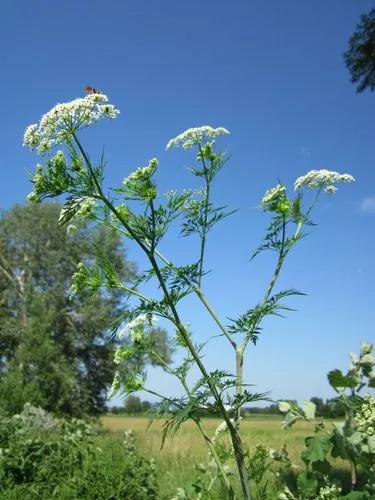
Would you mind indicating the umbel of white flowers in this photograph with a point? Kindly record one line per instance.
(65, 119)
(322, 179)
(195, 136)
(365, 415)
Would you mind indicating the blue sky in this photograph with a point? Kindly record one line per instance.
(272, 73)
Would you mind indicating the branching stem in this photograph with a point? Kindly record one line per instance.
(235, 437)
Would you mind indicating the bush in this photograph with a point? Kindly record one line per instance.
(43, 458)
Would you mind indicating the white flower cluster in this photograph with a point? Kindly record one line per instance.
(329, 492)
(135, 328)
(122, 353)
(273, 196)
(221, 428)
(116, 384)
(195, 199)
(142, 173)
(365, 360)
(365, 416)
(330, 189)
(64, 119)
(322, 178)
(86, 209)
(194, 136)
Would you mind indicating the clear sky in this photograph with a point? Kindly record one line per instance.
(271, 72)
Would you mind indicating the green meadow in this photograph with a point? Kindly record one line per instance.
(176, 460)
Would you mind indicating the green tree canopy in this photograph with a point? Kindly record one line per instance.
(54, 350)
(360, 56)
(133, 404)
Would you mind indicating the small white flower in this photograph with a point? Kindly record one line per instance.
(31, 136)
(86, 209)
(365, 415)
(366, 348)
(329, 492)
(135, 327)
(330, 189)
(322, 178)
(221, 428)
(196, 135)
(283, 406)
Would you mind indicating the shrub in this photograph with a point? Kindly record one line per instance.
(43, 458)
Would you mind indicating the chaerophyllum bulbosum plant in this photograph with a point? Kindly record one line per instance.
(143, 215)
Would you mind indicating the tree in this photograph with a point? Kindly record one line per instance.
(320, 406)
(54, 349)
(360, 56)
(133, 404)
(146, 406)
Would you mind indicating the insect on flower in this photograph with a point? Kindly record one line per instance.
(92, 90)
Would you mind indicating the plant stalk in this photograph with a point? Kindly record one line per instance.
(235, 437)
(239, 382)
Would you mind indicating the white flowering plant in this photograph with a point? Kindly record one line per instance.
(352, 440)
(138, 211)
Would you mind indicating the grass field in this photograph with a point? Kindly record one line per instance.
(180, 453)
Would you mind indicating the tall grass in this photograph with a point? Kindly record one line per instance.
(176, 460)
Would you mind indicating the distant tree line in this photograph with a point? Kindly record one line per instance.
(329, 408)
(132, 405)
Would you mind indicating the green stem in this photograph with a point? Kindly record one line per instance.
(353, 468)
(235, 437)
(239, 382)
(134, 292)
(204, 226)
(197, 421)
(105, 200)
(214, 316)
(202, 297)
(241, 350)
(275, 275)
(215, 456)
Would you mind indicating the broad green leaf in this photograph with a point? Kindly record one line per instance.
(339, 381)
(316, 449)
